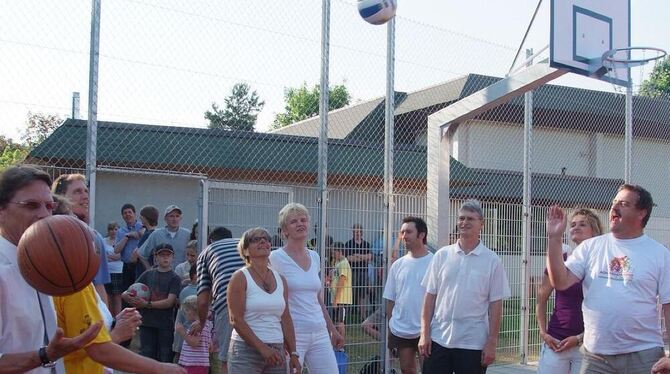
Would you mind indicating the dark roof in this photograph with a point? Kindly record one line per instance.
(261, 157)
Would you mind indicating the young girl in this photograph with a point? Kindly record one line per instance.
(194, 355)
(191, 256)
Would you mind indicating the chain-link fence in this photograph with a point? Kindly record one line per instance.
(168, 70)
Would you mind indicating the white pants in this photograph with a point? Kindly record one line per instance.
(566, 362)
(316, 351)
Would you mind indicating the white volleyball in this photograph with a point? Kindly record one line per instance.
(377, 12)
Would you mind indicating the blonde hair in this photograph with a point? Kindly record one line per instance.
(244, 241)
(591, 218)
(193, 244)
(190, 303)
(291, 209)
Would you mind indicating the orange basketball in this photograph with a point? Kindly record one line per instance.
(57, 256)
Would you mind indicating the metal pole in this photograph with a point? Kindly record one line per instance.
(203, 217)
(527, 217)
(389, 111)
(628, 136)
(92, 123)
(323, 134)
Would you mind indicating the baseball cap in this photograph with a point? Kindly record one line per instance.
(164, 247)
(171, 208)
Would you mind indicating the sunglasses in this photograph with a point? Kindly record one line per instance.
(257, 239)
(36, 205)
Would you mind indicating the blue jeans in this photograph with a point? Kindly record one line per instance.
(156, 343)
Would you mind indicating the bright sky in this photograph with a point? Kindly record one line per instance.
(165, 61)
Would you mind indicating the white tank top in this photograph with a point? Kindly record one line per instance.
(263, 310)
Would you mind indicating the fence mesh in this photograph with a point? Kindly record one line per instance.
(250, 70)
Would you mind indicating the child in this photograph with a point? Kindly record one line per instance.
(340, 286)
(157, 329)
(191, 256)
(190, 290)
(194, 355)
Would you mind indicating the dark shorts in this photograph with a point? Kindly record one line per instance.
(115, 287)
(396, 342)
(452, 360)
(338, 313)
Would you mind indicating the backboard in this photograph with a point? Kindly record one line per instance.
(582, 30)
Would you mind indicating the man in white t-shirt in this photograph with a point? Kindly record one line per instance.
(462, 307)
(623, 273)
(404, 293)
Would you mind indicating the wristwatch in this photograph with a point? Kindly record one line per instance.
(296, 355)
(149, 304)
(44, 359)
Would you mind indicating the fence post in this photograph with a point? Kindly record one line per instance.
(92, 123)
(203, 217)
(323, 135)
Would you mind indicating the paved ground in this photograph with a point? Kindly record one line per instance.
(512, 369)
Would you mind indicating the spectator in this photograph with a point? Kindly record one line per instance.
(127, 239)
(358, 254)
(115, 287)
(184, 268)
(340, 287)
(172, 233)
(191, 289)
(195, 348)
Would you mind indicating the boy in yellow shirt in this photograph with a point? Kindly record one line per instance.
(340, 286)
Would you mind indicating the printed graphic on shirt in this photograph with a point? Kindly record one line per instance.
(87, 323)
(620, 269)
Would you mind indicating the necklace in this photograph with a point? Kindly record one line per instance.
(266, 286)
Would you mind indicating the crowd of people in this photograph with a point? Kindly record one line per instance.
(256, 304)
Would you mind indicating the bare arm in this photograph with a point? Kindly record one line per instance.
(339, 288)
(289, 332)
(389, 309)
(58, 347)
(666, 316)
(102, 292)
(116, 357)
(561, 278)
(335, 337)
(121, 244)
(427, 311)
(495, 316)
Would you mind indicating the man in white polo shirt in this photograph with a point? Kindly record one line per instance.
(462, 308)
(404, 293)
(622, 273)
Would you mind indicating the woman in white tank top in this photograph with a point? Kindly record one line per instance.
(314, 330)
(259, 313)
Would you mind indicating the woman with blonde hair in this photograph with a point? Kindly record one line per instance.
(563, 336)
(314, 330)
(259, 312)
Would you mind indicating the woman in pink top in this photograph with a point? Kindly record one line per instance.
(315, 332)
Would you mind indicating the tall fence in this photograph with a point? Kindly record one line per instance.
(250, 69)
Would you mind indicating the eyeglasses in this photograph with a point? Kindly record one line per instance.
(35, 205)
(257, 239)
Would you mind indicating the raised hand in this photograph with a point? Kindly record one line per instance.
(60, 346)
(556, 221)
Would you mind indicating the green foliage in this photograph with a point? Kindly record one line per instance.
(303, 103)
(38, 127)
(12, 153)
(658, 83)
(240, 113)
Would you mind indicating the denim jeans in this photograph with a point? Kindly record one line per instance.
(156, 343)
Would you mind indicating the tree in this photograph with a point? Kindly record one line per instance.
(12, 153)
(302, 103)
(658, 83)
(240, 113)
(38, 127)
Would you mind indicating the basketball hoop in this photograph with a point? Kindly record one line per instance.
(617, 62)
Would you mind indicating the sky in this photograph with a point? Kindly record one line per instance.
(166, 61)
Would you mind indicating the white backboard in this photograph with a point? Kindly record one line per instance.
(582, 30)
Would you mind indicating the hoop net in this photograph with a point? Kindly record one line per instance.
(642, 61)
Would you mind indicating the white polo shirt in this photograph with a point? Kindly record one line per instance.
(465, 285)
(621, 281)
(21, 325)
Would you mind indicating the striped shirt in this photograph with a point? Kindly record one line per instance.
(198, 356)
(216, 264)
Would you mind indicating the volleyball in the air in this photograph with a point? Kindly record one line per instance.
(377, 12)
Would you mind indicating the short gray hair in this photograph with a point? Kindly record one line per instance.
(291, 209)
(473, 205)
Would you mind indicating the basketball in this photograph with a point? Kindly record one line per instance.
(140, 290)
(56, 255)
(377, 12)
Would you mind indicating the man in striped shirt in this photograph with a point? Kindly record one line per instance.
(216, 264)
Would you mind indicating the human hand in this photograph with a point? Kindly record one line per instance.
(60, 346)
(489, 353)
(134, 256)
(556, 221)
(294, 365)
(136, 301)
(127, 322)
(336, 339)
(424, 345)
(179, 328)
(195, 329)
(272, 356)
(550, 341)
(661, 366)
(567, 343)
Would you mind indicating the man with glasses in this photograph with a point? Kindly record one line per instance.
(462, 308)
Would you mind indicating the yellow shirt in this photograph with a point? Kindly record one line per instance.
(75, 314)
(342, 269)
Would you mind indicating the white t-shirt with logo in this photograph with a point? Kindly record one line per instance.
(404, 288)
(621, 279)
